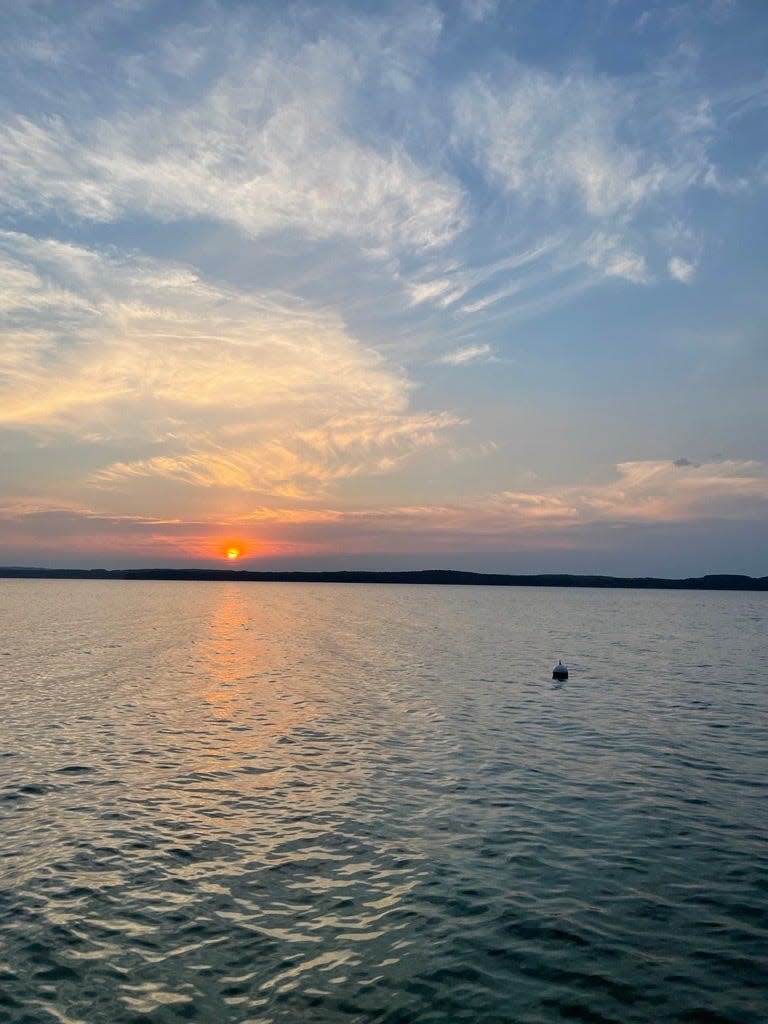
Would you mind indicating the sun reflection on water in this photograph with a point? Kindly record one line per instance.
(243, 675)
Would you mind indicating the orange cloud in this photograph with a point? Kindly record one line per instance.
(224, 390)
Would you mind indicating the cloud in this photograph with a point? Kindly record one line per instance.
(608, 254)
(39, 529)
(555, 136)
(645, 492)
(479, 10)
(604, 155)
(219, 388)
(265, 146)
(484, 284)
(468, 354)
(676, 491)
(443, 291)
(640, 496)
(343, 126)
(301, 464)
(681, 270)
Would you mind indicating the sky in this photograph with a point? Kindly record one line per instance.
(469, 284)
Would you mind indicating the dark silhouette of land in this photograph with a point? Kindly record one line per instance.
(448, 577)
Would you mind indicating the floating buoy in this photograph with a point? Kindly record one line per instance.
(560, 671)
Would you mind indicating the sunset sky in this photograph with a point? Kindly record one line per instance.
(477, 285)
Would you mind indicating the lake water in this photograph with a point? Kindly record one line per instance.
(229, 802)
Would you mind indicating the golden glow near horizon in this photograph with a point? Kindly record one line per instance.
(231, 550)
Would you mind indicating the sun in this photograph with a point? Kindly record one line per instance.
(232, 549)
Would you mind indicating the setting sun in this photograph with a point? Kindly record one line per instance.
(231, 550)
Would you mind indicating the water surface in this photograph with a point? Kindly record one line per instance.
(230, 802)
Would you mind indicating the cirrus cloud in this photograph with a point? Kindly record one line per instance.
(224, 389)
(263, 146)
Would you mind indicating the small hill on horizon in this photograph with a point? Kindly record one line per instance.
(444, 577)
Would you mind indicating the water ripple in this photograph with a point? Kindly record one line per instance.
(278, 803)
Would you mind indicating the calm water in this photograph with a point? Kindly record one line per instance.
(315, 803)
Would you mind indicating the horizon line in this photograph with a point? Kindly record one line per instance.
(710, 581)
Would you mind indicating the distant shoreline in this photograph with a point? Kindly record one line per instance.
(444, 577)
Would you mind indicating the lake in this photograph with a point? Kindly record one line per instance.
(246, 802)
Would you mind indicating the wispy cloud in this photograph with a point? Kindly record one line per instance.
(265, 147)
(594, 151)
(643, 492)
(674, 491)
(681, 269)
(540, 134)
(639, 496)
(609, 255)
(242, 122)
(226, 389)
(468, 354)
(479, 10)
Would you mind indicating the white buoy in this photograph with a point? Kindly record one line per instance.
(560, 671)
